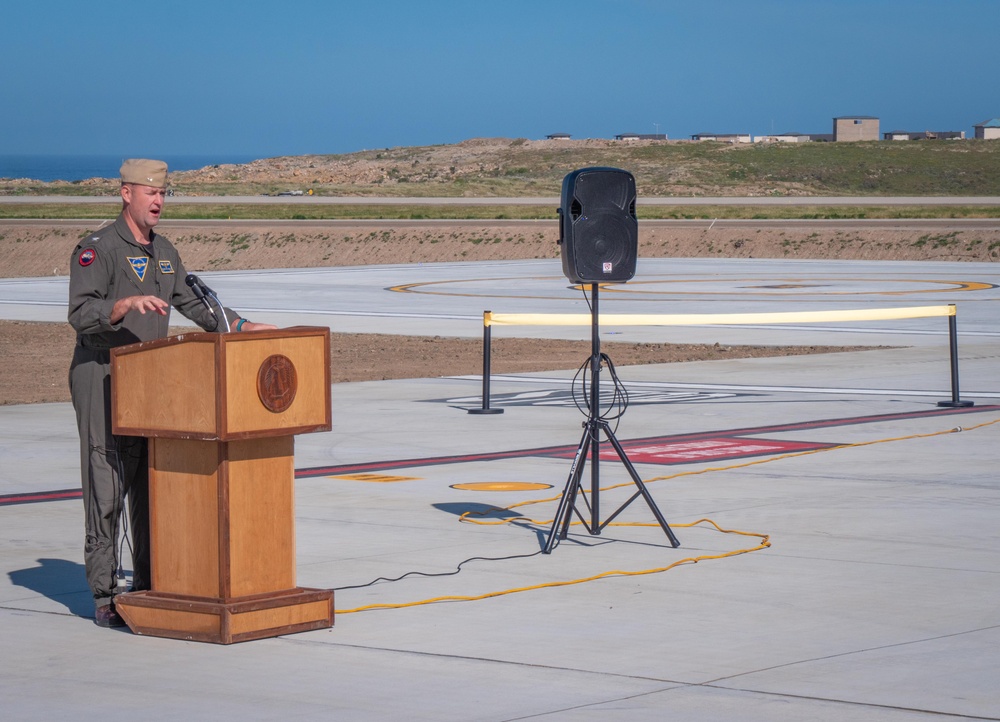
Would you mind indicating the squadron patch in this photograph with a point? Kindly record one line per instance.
(139, 265)
(166, 267)
(87, 257)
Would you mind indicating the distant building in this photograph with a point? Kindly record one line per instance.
(783, 138)
(855, 127)
(988, 129)
(641, 136)
(724, 137)
(924, 135)
(558, 136)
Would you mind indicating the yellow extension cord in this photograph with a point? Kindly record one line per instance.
(765, 539)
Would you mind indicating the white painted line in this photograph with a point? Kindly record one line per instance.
(744, 387)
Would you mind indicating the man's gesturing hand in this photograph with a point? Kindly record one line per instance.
(142, 304)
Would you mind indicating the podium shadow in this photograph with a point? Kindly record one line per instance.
(61, 581)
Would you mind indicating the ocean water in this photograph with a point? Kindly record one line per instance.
(81, 167)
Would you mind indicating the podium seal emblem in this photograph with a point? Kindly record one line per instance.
(277, 383)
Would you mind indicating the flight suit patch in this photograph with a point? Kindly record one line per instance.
(139, 265)
(87, 257)
(166, 267)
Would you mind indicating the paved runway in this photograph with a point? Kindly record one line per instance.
(875, 599)
(448, 299)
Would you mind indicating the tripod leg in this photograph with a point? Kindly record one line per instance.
(560, 524)
(640, 485)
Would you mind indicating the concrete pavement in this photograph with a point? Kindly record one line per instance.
(876, 598)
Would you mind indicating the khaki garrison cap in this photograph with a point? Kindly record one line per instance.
(145, 172)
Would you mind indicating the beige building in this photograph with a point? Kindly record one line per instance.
(988, 129)
(783, 138)
(724, 137)
(924, 135)
(855, 127)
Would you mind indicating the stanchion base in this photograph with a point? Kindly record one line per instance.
(956, 404)
(485, 411)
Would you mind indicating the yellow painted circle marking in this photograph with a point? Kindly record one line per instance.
(501, 486)
(773, 287)
(656, 288)
(375, 478)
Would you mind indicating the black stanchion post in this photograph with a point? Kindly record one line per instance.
(487, 352)
(956, 402)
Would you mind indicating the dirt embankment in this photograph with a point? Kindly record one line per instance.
(37, 355)
(35, 250)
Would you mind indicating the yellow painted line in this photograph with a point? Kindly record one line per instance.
(491, 292)
(501, 486)
(375, 478)
(809, 285)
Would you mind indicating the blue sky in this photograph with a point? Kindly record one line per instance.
(321, 76)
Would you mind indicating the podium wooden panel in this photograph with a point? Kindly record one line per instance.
(220, 412)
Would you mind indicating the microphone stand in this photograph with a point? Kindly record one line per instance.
(211, 294)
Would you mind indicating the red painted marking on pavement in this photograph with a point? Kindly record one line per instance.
(555, 450)
(34, 497)
(561, 451)
(665, 451)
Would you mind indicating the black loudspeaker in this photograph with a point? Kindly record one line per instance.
(598, 228)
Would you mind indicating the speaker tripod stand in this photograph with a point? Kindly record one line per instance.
(595, 425)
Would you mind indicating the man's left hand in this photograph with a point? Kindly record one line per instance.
(251, 326)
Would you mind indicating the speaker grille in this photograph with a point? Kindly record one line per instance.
(599, 226)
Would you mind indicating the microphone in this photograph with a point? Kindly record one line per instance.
(203, 292)
(199, 292)
(192, 281)
(197, 285)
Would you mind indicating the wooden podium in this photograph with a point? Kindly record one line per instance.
(220, 412)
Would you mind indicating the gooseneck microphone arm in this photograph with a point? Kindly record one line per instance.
(203, 293)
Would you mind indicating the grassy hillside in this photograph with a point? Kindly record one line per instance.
(888, 168)
(178, 209)
(498, 167)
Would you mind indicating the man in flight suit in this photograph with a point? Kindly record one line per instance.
(123, 281)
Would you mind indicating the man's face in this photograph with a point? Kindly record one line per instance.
(143, 204)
